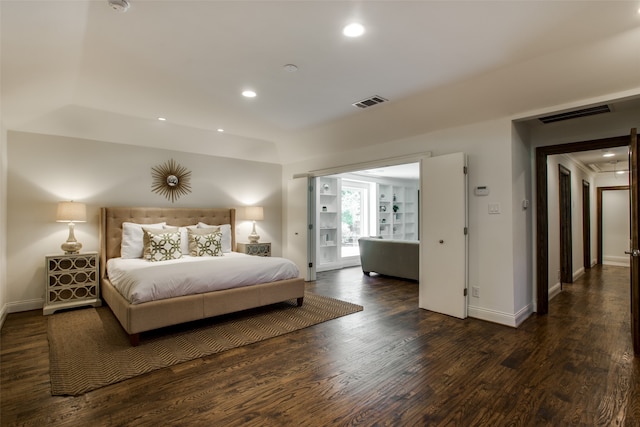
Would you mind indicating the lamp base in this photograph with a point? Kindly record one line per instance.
(71, 248)
(254, 237)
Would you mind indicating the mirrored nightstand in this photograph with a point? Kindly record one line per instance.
(256, 249)
(72, 281)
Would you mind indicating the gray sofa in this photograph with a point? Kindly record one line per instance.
(398, 258)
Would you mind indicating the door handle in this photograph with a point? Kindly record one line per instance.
(633, 252)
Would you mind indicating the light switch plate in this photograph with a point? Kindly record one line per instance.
(494, 208)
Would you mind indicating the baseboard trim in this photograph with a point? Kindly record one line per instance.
(624, 263)
(555, 290)
(28, 305)
(523, 314)
(3, 315)
(503, 318)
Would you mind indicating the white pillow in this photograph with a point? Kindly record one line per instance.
(184, 237)
(226, 235)
(132, 244)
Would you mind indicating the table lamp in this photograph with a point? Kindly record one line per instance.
(71, 212)
(254, 213)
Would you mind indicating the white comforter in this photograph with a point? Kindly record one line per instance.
(141, 281)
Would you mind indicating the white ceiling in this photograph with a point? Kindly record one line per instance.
(597, 163)
(78, 68)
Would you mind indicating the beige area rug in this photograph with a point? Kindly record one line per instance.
(88, 348)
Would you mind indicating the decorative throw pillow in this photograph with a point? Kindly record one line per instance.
(161, 244)
(132, 240)
(205, 241)
(226, 234)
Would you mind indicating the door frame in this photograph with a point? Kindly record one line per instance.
(600, 238)
(634, 238)
(566, 243)
(542, 207)
(586, 225)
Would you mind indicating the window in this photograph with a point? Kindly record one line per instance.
(355, 216)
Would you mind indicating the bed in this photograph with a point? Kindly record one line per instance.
(139, 317)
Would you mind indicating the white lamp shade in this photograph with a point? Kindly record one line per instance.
(71, 212)
(254, 213)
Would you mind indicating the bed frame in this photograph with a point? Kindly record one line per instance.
(137, 318)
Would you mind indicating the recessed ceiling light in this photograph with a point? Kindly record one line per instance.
(249, 94)
(607, 154)
(353, 30)
(220, 130)
(292, 68)
(162, 119)
(620, 172)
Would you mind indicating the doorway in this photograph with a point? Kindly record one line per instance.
(623, 228)
(542, 214)
(349, 205)
(542, 221)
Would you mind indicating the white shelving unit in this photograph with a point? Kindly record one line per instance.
(328, 222)
(397, 212)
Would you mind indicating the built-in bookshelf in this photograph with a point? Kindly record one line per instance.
(328, 223)
(397, 212)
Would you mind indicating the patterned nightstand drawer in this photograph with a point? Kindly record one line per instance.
(72, 281)
(256, 249)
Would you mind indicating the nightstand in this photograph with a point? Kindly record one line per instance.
(257, 249)
(72, 281)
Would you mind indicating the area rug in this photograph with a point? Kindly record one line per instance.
(88, 348)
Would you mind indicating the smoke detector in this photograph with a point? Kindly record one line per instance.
(119, 5)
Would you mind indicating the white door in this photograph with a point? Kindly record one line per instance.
(296, 226)
(443, 238)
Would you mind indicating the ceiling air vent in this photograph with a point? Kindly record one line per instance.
(575, 114)
(370, 102)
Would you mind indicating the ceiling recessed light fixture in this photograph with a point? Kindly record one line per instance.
(608, 154)
(292, 68)
(353, 30)
(220, 130)
(249, 94)
(162, 119)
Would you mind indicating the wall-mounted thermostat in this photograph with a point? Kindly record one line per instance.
(481, 191)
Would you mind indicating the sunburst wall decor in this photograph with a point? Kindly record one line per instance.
(171, 180)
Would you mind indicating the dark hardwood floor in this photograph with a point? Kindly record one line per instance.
(391, 364)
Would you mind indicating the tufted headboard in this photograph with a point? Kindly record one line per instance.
(111, 220)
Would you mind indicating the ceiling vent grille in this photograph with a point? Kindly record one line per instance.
(370, 102)
(600, 109)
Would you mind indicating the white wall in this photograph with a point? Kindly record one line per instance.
(45, 169)
(615, 227)
(609, 179)
(522, 223)
(491, 259)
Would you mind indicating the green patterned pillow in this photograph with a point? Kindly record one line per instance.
(205, 241)
(161, 244)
